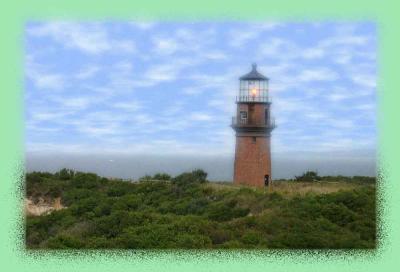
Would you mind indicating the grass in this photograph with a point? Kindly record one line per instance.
(290, 188)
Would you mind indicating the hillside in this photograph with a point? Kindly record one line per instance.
(188, 212)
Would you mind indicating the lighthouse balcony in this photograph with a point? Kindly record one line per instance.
(267, 124)
(252, 99)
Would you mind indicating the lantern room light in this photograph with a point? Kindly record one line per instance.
(254, 92)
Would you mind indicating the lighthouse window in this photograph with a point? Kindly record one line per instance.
(254, 139)
(243, 115)
(266, 116)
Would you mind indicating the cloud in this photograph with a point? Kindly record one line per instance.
(128, 106)
(183, 78)
(142, 119)
(276, 47)
(91, 38)
(317, 74)
(87, 72)
(313, 53)
(48, 81)
(165, 46)
(143, 25)
(184, 40)
(99, 130)
(365, 80)
(46, 115)
(40, 75)
(200, 116)
(240, 36)
(216, 55)
(337, 97)
(351, 40)
(162, 72)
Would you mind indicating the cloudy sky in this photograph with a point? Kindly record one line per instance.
(169, 88)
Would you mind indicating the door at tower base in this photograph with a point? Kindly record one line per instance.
(252, 161)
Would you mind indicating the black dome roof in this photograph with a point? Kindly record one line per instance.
(253, 75)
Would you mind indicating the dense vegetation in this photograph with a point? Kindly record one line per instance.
(188, 212)
(312, 176)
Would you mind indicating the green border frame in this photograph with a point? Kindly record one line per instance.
(14, 257)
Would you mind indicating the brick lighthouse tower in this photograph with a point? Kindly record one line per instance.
(253, 127)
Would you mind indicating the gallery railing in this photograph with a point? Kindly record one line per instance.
(251, 98)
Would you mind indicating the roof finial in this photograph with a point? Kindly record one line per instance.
(254, 65)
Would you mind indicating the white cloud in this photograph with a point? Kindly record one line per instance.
(99, 131)
(278, 47)
(143, 25)
(163, 72)
(103, 104)
(89, 38)
(315, 115)
(165, 46)
(125, 46)
(337, 97)
(38, 116)
(76, 102)
(200, 116)
(142, 119)
(40, 76)
(123, 67)
(349, 40)
(366, 107)
(242, 35)
(128, 106)
(192, 91)
(317, 74)
(364, 80)
(313, 53)
(216, 55)
(268, 25)
(48, 81)
(185, 40)
(87, 72)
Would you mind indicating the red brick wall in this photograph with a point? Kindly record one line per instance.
(257, 114)
(252, 160)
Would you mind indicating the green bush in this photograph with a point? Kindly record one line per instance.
(187, 213)
(65, 174)
(197, 176)
(86, 180)
(309, 176)
(162, 176)
(64, 242)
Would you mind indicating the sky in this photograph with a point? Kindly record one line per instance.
(119, 89)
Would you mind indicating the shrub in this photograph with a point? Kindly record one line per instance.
(145, 178)
(162, 176)
(222, 211)
(64, 241)
(251, 238)
(309, 176)
(64, 174)
(185, 213)
(86, 180)
(197, 176)
(184, 240)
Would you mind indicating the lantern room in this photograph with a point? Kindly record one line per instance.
(253, 87)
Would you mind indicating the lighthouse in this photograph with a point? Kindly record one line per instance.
(253, 125)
